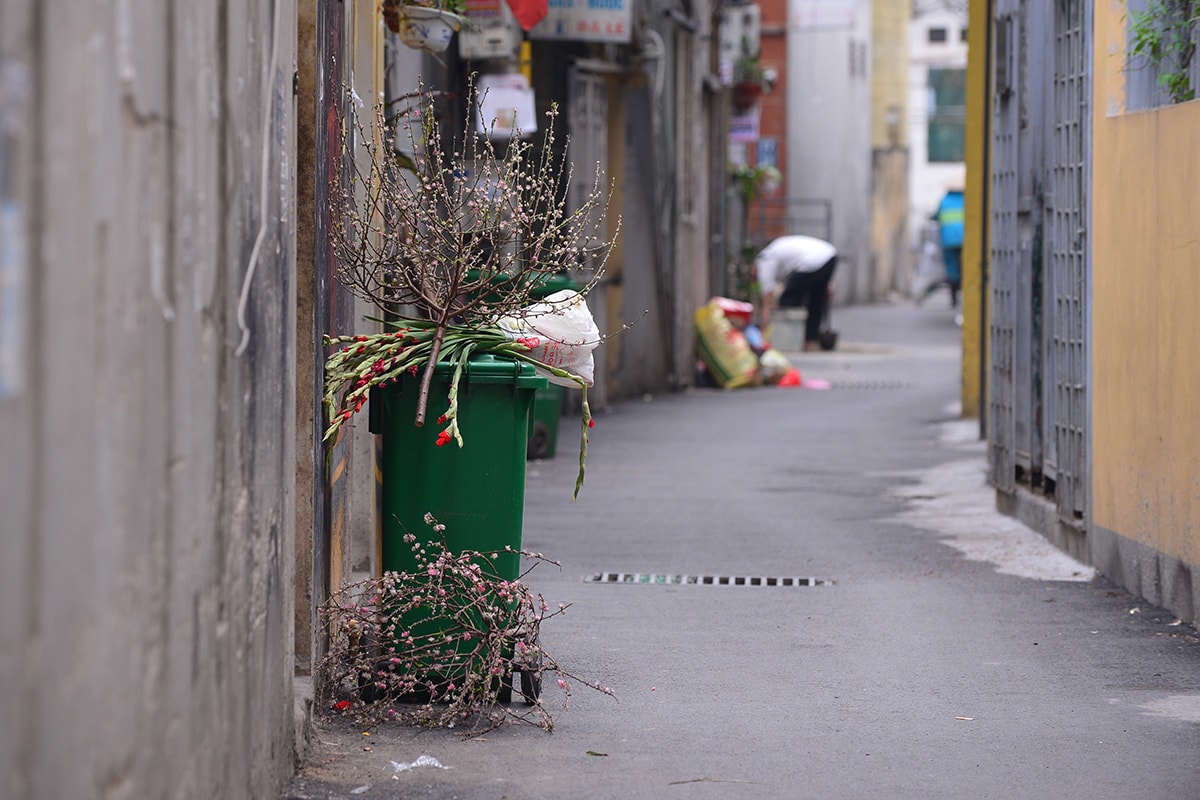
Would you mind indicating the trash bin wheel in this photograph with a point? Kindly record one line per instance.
(539, 441)
(531, 675)
(505, 689)
(531, 686)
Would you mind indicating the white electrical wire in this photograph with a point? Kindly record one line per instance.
(656, 55)
(268, 108)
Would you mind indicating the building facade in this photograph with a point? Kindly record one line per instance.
(1087, 274)
(147, 399)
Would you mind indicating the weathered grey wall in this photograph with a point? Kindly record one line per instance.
(829, 127)
(888, 270)
(148, 423)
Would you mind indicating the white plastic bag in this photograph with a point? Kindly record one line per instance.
(930, 272)
(560, 332)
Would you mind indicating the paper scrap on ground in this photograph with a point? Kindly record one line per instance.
(422, 761)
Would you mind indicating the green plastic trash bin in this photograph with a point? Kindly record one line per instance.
(549, 284)
(543, 421)
(476, 491)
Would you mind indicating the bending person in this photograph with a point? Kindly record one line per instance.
(797, 269)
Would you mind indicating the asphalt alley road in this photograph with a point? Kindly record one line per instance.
(939, 650)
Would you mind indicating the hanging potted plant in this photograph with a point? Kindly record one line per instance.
(749, 80)
(427, 25)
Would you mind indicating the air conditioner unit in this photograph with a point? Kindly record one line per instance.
(740, 33)
(490, 31)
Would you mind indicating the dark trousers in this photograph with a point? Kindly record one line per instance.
(811, 290)
(952, 258)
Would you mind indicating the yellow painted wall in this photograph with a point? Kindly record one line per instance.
(976, 208)
(1145, 310)
(889, 146)
(889, 72)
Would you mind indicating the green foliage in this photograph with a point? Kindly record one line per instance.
(1163, 37)
(750, 183)
(453, 6)
(747, 68)
(754, 182)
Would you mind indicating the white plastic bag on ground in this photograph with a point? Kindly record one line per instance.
(930, 272)
(560, 332)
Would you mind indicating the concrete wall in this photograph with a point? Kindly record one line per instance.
(337, 537)
(829, 125)
(888, 268)
(658, 146)
(1145, 375)
(147, 407)
(693, 225)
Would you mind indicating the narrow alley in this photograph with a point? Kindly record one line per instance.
(935, 649)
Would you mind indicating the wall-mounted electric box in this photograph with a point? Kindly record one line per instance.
(490, 31)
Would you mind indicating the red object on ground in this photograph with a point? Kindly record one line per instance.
(790, 378)
(529, 12)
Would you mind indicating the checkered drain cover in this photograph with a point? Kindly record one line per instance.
(870, 385)
(653, 579)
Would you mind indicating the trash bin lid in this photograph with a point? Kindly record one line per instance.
(488, 368)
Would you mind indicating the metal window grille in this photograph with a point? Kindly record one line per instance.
(1068, 257)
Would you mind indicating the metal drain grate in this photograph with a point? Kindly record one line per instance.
(870, 385)
(653, 579)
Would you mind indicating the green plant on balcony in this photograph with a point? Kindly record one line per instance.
(749, 78)
(1163, 37)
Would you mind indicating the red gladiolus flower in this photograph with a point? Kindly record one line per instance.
(443, 437)
(591, 423)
